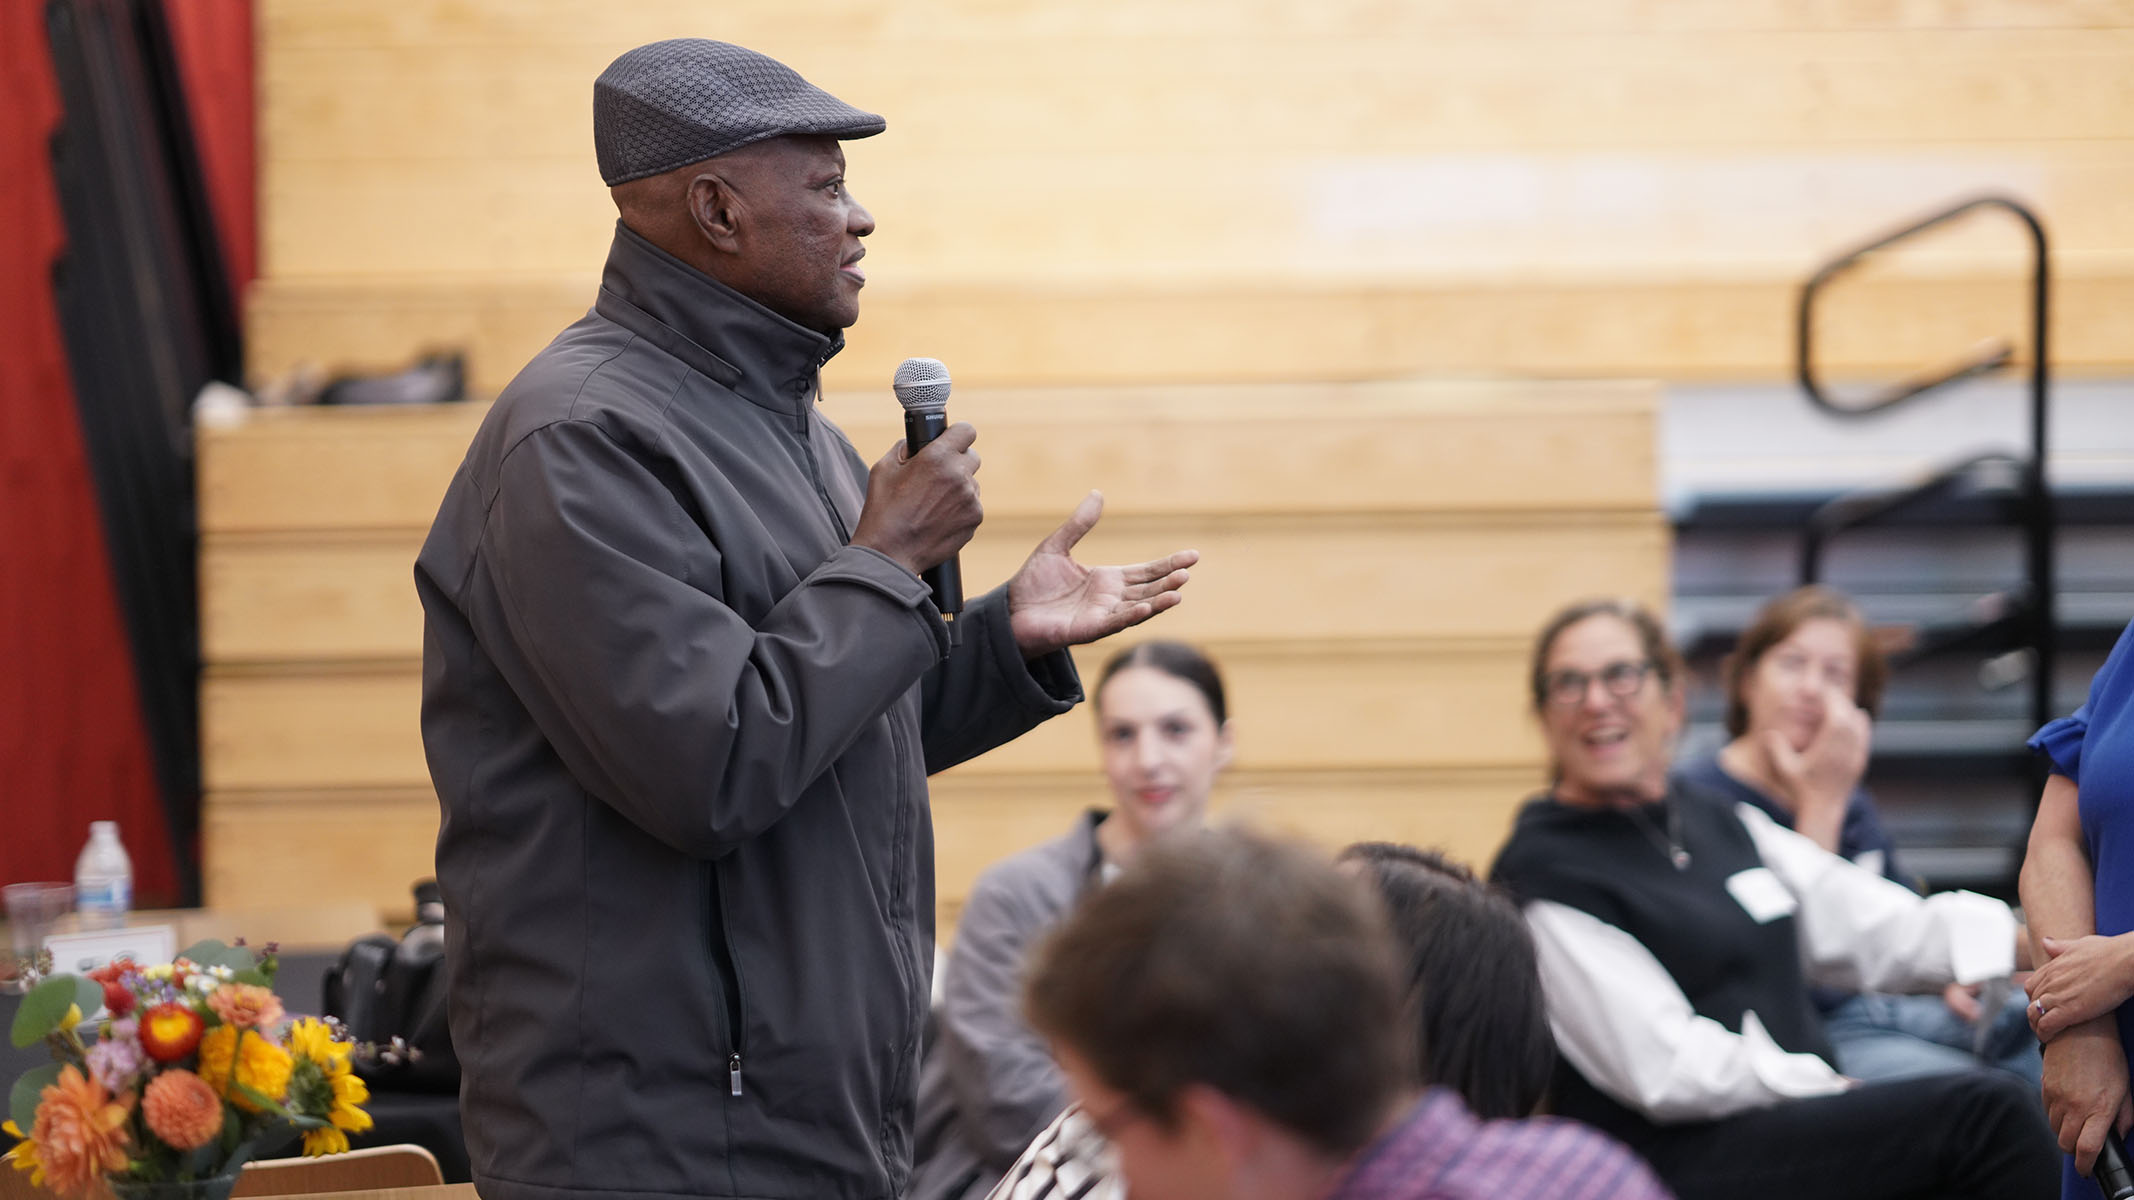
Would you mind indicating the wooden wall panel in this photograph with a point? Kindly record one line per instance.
(946, 218)
(327, 23)
(1235, 87)
(260, 848)
(1277, 331)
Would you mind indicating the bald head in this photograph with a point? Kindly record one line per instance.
(772, 220)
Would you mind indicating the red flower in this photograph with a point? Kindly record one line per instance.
(117, 997)
(169, 1032)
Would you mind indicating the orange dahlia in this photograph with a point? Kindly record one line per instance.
(245, 1005)
(182, 1109)
(80, 1133)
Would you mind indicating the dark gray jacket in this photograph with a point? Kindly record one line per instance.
(989, 1084)
(681, 731)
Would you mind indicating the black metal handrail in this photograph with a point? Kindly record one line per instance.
(2036, 506)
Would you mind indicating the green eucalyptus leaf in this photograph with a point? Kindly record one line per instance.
(212, 953)
(46, 1006)
(22, 1101)
(88, 994)
(205, 952)
(253, 975)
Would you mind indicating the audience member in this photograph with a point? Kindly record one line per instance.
(989, 1084)
(1678, 934)
(1474, 991)
(1229, 1016)
(2078, 890)
(1802, 691)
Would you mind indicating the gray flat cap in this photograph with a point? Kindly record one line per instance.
(676, 102)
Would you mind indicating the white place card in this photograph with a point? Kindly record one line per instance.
(81, 953)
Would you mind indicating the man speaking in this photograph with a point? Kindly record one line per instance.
(682, 684)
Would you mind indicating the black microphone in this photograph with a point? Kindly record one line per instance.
(921, 386)
(2115, 1178)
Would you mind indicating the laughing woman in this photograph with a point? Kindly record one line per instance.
(989, 1084)
(1678, 935)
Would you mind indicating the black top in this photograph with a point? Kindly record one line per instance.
(1607, 864)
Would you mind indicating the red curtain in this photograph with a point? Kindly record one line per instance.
(72, 745)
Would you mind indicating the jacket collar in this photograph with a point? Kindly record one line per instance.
(720, 333)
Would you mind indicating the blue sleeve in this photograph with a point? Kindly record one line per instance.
(2061, 741)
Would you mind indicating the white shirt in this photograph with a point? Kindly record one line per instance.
(1624, 1023)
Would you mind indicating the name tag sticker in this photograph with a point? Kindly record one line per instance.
(1761, 895)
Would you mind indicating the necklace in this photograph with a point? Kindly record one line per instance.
(1668, 843)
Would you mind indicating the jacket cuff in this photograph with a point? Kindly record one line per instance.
(875, 570)
(1048, 685)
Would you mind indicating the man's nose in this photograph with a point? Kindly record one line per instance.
(858, 221)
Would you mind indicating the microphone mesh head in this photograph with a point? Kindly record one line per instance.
(922, 385)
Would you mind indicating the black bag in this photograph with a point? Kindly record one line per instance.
(390, 994)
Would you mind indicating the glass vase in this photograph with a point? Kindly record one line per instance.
(216, 1187)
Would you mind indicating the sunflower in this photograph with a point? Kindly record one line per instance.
(24, 1156)
(324, 1085)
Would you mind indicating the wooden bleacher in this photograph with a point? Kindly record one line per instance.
(1107, 191)
(1105, 195)
(1375, 558)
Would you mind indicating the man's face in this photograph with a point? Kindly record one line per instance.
(1181, 1163)
(800, 231)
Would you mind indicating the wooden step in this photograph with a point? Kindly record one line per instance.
(259, 843)
(1342, 449)
(270, 599)
(1266, 331)
(1298, 706)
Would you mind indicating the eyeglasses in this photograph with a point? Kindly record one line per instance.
(1566, 688)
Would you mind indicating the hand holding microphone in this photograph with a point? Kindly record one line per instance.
(922, 497)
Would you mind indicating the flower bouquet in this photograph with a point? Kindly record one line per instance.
(187, 1070)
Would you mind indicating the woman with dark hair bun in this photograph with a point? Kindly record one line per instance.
(988, 1084)
(1473, 987)
(1803, 687)
(1677, 934)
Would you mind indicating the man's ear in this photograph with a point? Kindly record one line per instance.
(716, 209)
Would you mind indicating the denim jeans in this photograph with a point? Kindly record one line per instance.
(1901, 1037)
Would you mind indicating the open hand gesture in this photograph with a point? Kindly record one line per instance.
(1055, 602)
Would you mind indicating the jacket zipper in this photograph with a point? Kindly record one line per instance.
(899, 900)
(724, 962)
(807, 448)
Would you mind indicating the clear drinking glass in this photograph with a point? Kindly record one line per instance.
(33, 909)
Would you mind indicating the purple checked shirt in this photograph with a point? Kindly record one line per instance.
(1440, 1151)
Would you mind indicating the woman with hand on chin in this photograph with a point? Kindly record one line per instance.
(2078, 891)
(988, 1084)
(1802, 690)
(1677, 934)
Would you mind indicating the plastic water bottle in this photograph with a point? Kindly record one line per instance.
(103, 879)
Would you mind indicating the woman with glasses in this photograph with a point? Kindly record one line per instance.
(1802, 690)
(1678, 935)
